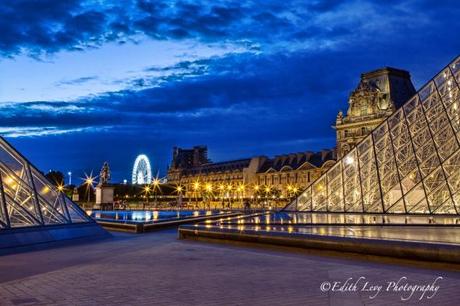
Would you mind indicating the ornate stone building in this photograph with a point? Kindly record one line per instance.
(378, 95)
(283, 174)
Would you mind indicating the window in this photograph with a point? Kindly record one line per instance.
(363, 109)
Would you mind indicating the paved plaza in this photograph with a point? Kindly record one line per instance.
(158, 269)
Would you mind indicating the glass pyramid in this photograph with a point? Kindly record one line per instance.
(27, 198)
(409, 164)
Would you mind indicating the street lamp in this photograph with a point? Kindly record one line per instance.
(179, 190)
(70, 177)
(208, 188)
(147, 191)
(89, 180)
(196, 187)
(156, 185)
(267, 192)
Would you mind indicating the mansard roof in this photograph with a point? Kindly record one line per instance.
(220, 167)
(297, 160)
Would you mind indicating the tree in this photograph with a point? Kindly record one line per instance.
(55, 177)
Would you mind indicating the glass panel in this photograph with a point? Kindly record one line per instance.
(51, 202)
(304, 201)
(414, 197)
(397, 208)
(425, 94)
(434, 180)
(446, 143)
(455, 67)
(438, 197)
(352, 188)
(369, 181)
(319, 194)
(20, 198)
(409, 181)
(454, 115)
(335, 188)
(76, 214)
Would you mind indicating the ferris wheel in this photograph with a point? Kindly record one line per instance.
(142, 172)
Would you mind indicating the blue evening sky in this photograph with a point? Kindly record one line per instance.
(82, 82)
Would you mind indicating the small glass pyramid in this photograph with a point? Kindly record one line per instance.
(27, 198)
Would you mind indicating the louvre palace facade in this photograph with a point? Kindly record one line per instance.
(283, 175)
(378, 95)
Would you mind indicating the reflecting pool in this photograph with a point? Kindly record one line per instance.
(149, 216)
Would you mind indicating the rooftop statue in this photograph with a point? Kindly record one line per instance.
(104, 174)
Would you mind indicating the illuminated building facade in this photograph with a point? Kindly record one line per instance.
(409, 164)
(378, 94)
(284, 175)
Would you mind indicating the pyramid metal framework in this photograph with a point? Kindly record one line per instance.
(28, 199)
(409, 164)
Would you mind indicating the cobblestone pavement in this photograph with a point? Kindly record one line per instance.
(158, 269)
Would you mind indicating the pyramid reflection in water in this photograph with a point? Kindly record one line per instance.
(408, 164)
(27, 198)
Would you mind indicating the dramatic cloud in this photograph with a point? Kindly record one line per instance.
(38, 27)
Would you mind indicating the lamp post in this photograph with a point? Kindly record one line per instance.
(267, 193)
(70, 177)
(156, 185)
(147, 192)
(209, 194)
(196, 187)
(89, 184)
(179, 190)
(221, 194)
(256, 194)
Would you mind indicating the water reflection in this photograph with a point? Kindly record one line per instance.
(446, 234)
(150, 216)
(304, 218)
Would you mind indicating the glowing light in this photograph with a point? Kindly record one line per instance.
(196, 186)
(60, 188)
(208, 187)
(142, 172)
(89, 179)
(349, 160)
(179, 189)
(9, 180)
